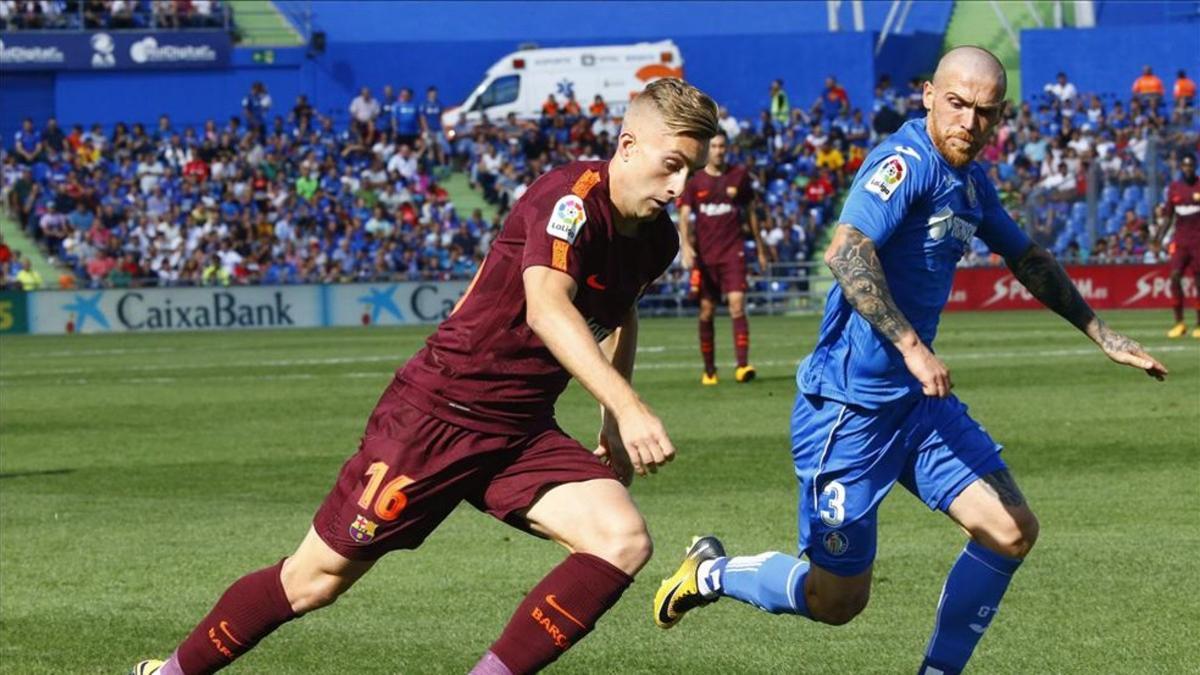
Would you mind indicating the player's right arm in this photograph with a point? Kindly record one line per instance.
(855, 264)
(552, 315)
(892, 180)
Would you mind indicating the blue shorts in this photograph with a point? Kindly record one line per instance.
(847, 459)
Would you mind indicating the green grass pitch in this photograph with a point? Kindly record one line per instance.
(141, 474)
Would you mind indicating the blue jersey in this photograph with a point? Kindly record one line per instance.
(432, 112)
(404, 114)
(921, 213)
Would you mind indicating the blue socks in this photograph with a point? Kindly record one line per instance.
(772, 582)
(970, 599)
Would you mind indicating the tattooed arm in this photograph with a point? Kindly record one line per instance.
(854, 263)
(1041, 274)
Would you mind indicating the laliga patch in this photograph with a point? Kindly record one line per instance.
(362, 530)
(836, 543)
(888, 177)
(567, 218)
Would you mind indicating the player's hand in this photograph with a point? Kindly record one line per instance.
(688, 255)
(929, 370)
(645, 439)
(1129, 353)
(611, 450)
(763, 262)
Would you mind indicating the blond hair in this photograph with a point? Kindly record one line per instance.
(684, 109)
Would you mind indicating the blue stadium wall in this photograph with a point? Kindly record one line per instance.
(1107, 59)
(731, 50)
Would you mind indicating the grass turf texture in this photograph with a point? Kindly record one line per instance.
(141, 474)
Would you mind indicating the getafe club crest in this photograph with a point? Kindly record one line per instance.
(836, 543)
(362, 530)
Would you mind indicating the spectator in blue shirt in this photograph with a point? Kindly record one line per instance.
(431, 126)
(28, 143)
(256, 105)
(406, 119)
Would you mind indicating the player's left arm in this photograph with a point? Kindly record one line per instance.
(756, 231)
(1043, 277)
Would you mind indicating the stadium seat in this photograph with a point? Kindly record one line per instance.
(1142, 209)
(1133, 193)
(1110, 194)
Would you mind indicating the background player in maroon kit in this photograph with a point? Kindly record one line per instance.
(1183, 198)
(721, 196)
(471, 416)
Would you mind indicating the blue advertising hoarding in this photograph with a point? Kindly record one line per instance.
(116, 50)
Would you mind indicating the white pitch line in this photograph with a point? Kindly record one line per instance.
(651, 365)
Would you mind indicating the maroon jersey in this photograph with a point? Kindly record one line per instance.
(484, 368)
(718, 202)
(1184, 199)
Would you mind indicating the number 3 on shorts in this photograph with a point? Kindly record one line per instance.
(391, 500)
(834, 498)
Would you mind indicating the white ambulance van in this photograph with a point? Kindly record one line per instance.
(520, 82)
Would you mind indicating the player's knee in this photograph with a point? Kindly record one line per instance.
(308, 592)
(840, 609)
(625, 544)
(1016, 537)
(707, 312)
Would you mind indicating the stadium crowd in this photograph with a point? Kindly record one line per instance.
(111, 14)
(291, 196)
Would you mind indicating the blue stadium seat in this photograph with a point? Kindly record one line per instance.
(1079, 210)
(1133, 193)
(1142, 210)
(1110, 194)
(778, 186)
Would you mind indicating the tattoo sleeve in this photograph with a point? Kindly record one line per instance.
(1001, 484)
(1041, 274)
(856, 267)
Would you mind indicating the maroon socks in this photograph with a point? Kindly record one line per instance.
(557, 613)
(249, 610)
(706, 347)
(741, 340)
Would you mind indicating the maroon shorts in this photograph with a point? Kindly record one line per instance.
(720, 278)
(1185, 255)
(412, 469)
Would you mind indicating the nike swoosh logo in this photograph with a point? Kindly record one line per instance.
(550, 601)
(664, 616)
(594, 282)
(225, 629)
(977, 628)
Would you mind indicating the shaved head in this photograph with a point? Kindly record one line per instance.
(965, 101)
(973, 62)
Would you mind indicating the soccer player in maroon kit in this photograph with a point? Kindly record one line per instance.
(1183, 197)
(471, 416)
(720, 195)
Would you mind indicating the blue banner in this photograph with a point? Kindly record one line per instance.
(116, 50)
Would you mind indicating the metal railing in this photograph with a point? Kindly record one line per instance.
(784, 288)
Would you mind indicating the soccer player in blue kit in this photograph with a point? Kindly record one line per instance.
(875, 406)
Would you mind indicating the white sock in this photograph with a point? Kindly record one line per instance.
(708, 582)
